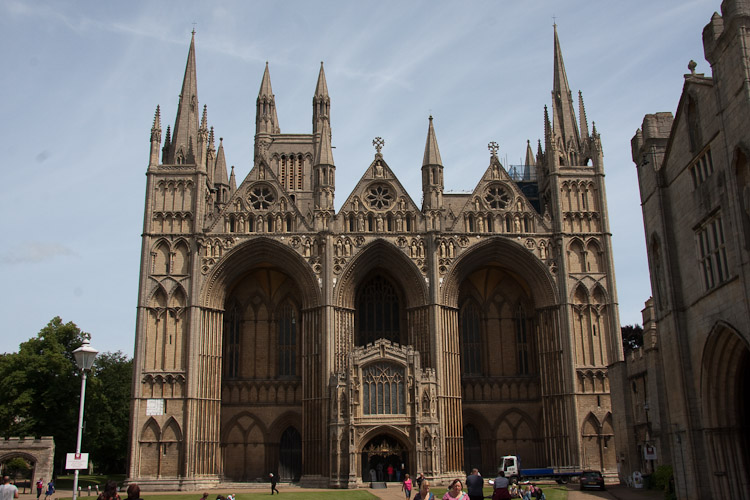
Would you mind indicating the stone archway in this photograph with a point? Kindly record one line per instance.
(40, 452)
(380, 452)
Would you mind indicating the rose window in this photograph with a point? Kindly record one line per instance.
(379, 197)
(261, 197)
(497, 197)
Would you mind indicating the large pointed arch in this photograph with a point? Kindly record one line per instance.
(259, 252)
(381, 254)
(514, 257)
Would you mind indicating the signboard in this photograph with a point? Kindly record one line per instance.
(154, 407)
(76, 461)
(649, 452)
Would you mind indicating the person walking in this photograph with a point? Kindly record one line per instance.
(424, 491)
(39, 487)
(475, 485)
(8, 491)
(273, 483)
(50, 490)
(501, 486)
(406, 486)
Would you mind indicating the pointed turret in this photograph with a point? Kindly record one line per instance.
(210, 157)
(321, 103)
(167, 144)
(530, 161)
(232, 182)
(155, 139)
(432, 172)
(563, 118)
(324, 169)
(185, 135)
(201, 157)
(220, 176)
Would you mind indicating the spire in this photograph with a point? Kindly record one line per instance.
(325, 152)
(210, 157)
(321, 103)
(564, 120)
(321, 89)
(220, 172)
(155, 138)
(185, 134)
(431, 151)
(547, 127)
(530, 161)
(165, 148)
(266, 121)
(232, 182)
(582, 116)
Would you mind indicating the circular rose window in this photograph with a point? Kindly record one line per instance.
(497, 196)
(261, 197)
(379, 197)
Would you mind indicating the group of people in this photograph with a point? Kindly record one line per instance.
(502, 489)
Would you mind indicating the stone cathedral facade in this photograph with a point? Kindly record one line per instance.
(276, 333)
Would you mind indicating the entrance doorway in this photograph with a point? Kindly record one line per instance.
(380, 453)
(290, 455)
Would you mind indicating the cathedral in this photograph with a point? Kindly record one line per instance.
(278, 333)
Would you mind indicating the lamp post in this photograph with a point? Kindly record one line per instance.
(85, 360)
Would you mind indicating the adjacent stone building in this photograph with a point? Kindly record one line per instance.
(694, 177)
(278, 333)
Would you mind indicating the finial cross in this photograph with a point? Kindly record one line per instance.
(493, 147)
(554, 20)
(378, 142)
(194, 23)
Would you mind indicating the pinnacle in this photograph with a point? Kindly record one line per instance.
(325, 152)
(321, 89)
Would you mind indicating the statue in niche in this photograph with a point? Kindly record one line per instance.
(378, 170)
(421, 248)
(413, 252)
(451, 249)
(306, 247)
(476, 204)
(401, 204)
(399, 223)
(208, 248)
(338, 248)
(361, 222)
(517, 224)
(355, 204)
(348, 248)
(380, 224)
(442, 248)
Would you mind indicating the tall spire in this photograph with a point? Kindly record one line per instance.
(324, 184)
(185, 133)
(220, 171)
(582, 116)
(266, 121)
(563, 118)
(432, 172)
(321, 103)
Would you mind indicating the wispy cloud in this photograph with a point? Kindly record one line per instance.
(33, 252)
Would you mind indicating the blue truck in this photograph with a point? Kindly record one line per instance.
(511, 466)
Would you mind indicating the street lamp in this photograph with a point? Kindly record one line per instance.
(85, 360)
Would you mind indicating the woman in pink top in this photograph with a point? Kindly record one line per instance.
(406, 486)
(454, 491)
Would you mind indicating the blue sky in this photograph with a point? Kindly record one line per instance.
(81, 80)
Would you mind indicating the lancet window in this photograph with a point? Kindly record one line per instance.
(378, 312)
(471, 348)
(287, 340)
(232, 341)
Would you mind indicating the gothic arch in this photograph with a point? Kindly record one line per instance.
(246, 256)
(381, 255)
(515, 257)
(576, 256)
(388, 430)
(282, 423)
(235, 422)
(580, 294)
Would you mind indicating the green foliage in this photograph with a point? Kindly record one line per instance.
(632, 337)
(17, 468)
(662, 479)
(41, 387)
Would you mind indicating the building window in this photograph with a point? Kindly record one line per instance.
(702, 168)
(497, 196)
(378, 312)
(261, 197)
(383, 389)
(379, 197)
(522, 343)
(712, 252)
(232, 341)
(287, 341)
(471, 339)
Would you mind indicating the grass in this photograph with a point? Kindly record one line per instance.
(551, 491)
(84, 480)
(311, 495)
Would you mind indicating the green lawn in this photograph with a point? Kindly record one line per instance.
(312, 495)
(84, 480)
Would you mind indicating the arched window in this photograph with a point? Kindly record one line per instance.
(290, 455)
(471, 339)
(383, 389)
(232, 318)
(378, 312)
(522, 341)
(287, 341)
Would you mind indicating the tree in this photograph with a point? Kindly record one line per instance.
(41, 386)
(632, 337)
(108, 412)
